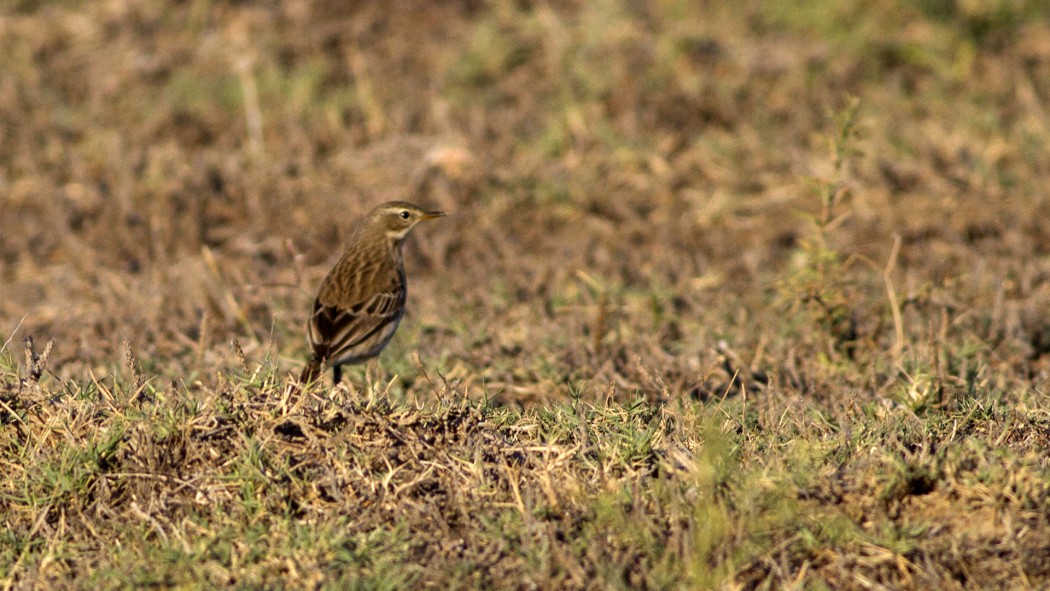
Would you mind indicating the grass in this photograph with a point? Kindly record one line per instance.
(734, 297)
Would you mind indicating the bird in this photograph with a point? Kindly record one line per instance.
(362, 299)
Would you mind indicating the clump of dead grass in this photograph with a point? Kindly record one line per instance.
(242, 481)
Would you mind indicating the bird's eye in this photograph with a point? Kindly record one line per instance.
(404, 214)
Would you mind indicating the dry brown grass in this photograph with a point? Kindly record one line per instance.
(746, 298)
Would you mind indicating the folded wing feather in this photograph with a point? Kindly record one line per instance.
(335, 331)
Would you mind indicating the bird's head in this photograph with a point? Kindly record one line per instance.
(397, 218)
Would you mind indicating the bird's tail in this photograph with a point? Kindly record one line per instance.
(312, 371)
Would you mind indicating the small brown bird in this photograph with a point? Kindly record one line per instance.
(362, 300)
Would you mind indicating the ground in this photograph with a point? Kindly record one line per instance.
(735, 295)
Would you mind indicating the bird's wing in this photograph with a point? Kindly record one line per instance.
(338, 324)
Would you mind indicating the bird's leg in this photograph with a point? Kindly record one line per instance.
(337, 374)
(371, 372)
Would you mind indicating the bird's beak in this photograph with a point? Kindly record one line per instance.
(433, 214)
